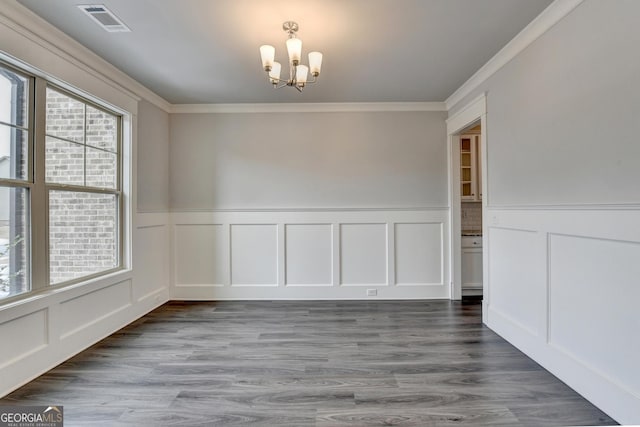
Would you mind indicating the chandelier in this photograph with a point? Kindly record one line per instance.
(298, 73)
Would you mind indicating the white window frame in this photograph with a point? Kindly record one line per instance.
(35, 183)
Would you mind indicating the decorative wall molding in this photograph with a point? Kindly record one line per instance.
(288, 210)
(572, 207)
(541, 24)
(473, 111)
(322, 107)
(329, 254)
(552, 269)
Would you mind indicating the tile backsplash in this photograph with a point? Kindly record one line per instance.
(471, 216)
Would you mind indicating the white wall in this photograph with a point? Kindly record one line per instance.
(320, 205)
(563, 203)
(47, 328)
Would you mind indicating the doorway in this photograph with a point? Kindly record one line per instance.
(471, 211)
(471, 115)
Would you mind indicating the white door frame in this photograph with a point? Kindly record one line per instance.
(472, 112)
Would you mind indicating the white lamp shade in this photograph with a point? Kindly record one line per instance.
(301, 74)
(294, 47)
(315, 62)
(267, 53)
(274, 74)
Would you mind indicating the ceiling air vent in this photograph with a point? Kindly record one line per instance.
(104, 17)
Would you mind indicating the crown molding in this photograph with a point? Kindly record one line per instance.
(555, 12)
(28, 24)
(320, 107)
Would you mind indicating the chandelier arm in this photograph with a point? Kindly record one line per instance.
(277, 81)
(292, 74)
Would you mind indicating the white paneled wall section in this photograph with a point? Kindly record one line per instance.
(563, 287)
(310, 254)
(47, 329)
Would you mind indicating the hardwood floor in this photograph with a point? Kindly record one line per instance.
(299, 363)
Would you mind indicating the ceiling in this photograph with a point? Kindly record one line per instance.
(206, 51)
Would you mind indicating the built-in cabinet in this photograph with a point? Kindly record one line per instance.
(471, 265)
(470, 168)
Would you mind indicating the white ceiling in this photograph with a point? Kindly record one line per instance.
(206, 51)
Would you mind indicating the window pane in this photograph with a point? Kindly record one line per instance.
(14, 94)
(64, 162)
(83, 236)
(14, 152)
(102, 129)
(102, 168)
(65, 116)
(14, 241)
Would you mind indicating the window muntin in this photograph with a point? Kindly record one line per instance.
(81, 143)
(14, 124)
(14, 241)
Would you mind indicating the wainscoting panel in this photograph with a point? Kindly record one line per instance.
(363, 254)
(317, 254)
(309, 254)
(513, 294)
(254, 255)
(419, 253)
(200, 254)
(16, 344)
(83, 311)
(563, 286)
(152, 266)
(595, 283)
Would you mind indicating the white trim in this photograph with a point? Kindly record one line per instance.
(541, 24)
(28, 24)
(570, 207)
(342, 209)
(319, 107)
(467, 115)
(472, 112)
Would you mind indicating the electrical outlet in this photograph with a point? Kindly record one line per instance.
(372, 292)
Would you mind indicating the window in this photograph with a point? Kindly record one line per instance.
(15, 136)
(60, 186)
(82, 186)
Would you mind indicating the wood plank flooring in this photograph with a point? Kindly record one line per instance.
(299, 363)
